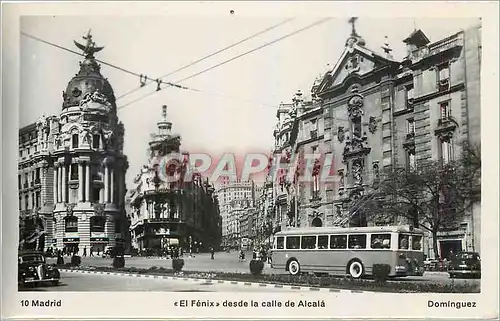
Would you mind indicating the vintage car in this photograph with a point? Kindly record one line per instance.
(465, 264)
(33, 270)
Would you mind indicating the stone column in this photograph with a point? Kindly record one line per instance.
(59, 183)
(88, 185)
(81, 197)
(64, 183)
(56, 167)
(112, 186)
(106, 183)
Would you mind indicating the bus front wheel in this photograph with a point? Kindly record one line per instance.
(355, 269)
(294, 267)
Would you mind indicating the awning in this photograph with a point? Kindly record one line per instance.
(99, 240)
(71, 240)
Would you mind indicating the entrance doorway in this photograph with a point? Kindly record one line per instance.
(449, 248)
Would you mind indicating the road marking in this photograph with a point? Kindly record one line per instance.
(314, 289)
(295, 287)
(247, 283)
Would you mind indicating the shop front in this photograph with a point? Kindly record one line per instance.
(71, 245)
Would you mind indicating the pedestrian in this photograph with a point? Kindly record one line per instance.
(98, 251)
(85, 251)
(212, 253)
(91, 251)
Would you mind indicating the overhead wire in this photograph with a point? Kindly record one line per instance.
(209, 55)
(234, 58)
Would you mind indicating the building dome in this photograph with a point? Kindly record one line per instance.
(88, 80)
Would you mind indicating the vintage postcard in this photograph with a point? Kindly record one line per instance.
(249, 160)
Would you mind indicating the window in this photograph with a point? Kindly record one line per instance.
(26, 179)
(74, 171)
(357, 241)
(403, 241)
(71, 224)
(26, 202)
(95, 194)
(381, 241)
(410, 159)
(409, 95)
(338, 241)
(74, 140)
(37, 173)
(96, 141)
(308, 242)
(37, 199)
(356, 126)
(20, 203)
(322, 242)
(19, 183)
(416, 243)
(410, 126)
(293, 242)
(445, 110)
(21, 153)
(446, 151)
(444, 72)
(97, 223)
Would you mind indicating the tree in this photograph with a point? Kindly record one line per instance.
(433, 196)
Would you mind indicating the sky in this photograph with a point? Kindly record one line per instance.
(235, 109)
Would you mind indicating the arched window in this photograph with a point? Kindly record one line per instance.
(74, 140)
(97, 224)
(317, 222)
(71, 224)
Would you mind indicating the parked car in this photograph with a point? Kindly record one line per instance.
(465, 264)
(33, 270)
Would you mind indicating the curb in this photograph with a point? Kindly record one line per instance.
(214, 281)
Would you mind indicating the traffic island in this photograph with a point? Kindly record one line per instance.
(309, 280)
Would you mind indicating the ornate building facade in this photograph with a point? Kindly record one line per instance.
(183, 213)
(370, 112)
(79, 166)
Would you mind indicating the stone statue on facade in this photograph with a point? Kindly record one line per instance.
(354, 107)
(341, 134)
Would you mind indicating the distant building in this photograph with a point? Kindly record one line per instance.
(370, 112)
(183, 213)
(72, 169)
(234, 197)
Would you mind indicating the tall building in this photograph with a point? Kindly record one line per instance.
(370, 112)
(234, 198)
(183, 213)
(73, 169)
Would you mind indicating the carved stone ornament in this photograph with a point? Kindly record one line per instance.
(69, 209)
(372, 125)
(353, 64)
(76, 92)
(99, 209)
(341, 134)
(357, 170)
(354, 106)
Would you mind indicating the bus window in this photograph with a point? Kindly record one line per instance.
(403, 241)
(308, 242)
(322, 242)
(280, 243)
(293, 242)
(416, 243)
(357, 241)
(338, 241)
(381, 241)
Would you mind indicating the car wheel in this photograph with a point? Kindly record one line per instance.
(294, 267)
(356, 269)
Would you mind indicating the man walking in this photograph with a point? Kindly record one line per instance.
(85, 251)
(212, 253)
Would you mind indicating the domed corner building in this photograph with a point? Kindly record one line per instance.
(86, 166)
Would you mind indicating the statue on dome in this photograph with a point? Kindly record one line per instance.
(89, 48)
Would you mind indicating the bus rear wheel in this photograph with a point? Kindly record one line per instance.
(355, 269)
(294, 267)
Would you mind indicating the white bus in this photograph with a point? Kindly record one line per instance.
(351, 251)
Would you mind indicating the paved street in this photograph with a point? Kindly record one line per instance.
(228, 262)
(98, 282)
